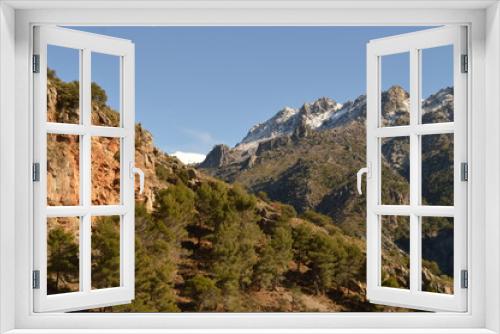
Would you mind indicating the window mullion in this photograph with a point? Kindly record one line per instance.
(86, 174)
(414, 171)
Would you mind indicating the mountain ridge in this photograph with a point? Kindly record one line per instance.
(325, 113)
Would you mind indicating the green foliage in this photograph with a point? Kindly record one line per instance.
(325, 256)
(68, 101)
(212, 203)
(332, 261)
(99, 96)
(287, 211)
(317, 218)
(391, 282)
(437, 169)
(155, 268)
(274, 258)
(240, 199)
(174, 211)
(161, 172)
(68, 98)
(106, 252)
(234, 251)
(301, 238)
(63, 262)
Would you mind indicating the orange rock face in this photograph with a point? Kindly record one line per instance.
(63, 155)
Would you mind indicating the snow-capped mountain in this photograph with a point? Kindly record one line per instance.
(326, 113)
(314, 115)
(322, 115)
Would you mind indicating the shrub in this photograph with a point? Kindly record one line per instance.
(204, 293)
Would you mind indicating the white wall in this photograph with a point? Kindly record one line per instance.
(492, 212)
(7, 18)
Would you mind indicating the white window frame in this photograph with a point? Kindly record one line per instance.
(16, 21)
(85, 44)
(413, 44)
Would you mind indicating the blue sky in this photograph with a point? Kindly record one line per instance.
(200, 86)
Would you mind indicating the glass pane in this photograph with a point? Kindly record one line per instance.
(63, 262)
(63, 85)
(395, 168)
(395, 251)
(63, 169)
(437, 169)
(105, 170)
(395, 97)
(437, 84)
(105, 252)
(105, 89)
(437, 254)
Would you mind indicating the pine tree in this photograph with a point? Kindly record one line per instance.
(106, 252)
(63, 261)
(204, 293)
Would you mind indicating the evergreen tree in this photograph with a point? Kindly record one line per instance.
(234, 251)
(275, 257)
(106, 252)
(62, 262)
(204, 293)
(301, 239)
(174, 210)
(154, 268)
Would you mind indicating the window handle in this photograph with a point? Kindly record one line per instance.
(135, 170)
(359, 175)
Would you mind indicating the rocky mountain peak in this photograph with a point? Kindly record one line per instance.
(395, 106)
(284, 114)
(438, 107)
(287, 120)
(320, 106)
(396, 92)
(217, 157)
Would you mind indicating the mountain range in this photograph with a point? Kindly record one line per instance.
(325, 114)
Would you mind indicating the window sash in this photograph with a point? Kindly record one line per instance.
(86, 297)
(414, 297)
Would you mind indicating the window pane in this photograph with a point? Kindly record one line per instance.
(395, 168)
(63, 169)
(437, 84)
(105, 170)
(105, 252)
(437, 169)
(105, 89)
(63, 85)
(437, 254)
(395, 251)
(395, 97)
(63, 262)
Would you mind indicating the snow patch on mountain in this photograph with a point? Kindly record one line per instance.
(314, 115)
(189, 157)
(326, 113)
(437, 101)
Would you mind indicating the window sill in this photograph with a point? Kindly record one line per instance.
(255, 331)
